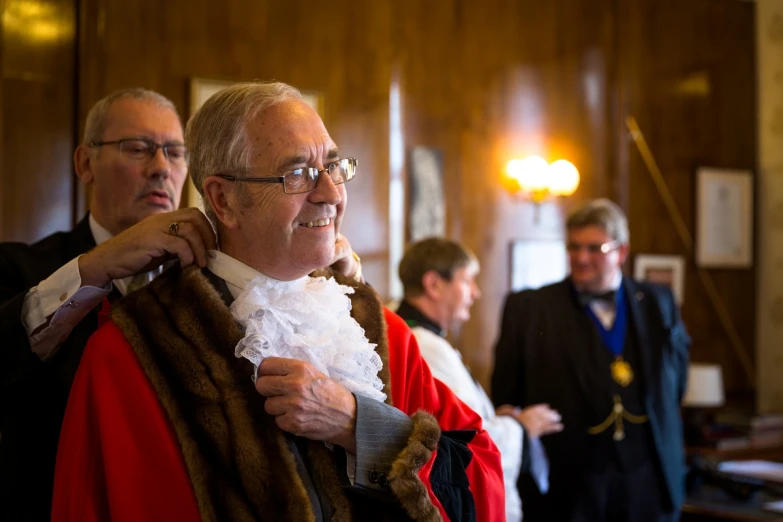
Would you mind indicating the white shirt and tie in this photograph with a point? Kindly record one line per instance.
(606, 311)
(52, 309)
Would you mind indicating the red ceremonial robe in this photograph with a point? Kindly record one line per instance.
(119, 457)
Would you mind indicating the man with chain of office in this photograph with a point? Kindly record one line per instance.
(610, 354)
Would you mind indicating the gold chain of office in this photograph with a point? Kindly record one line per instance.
(622, 374)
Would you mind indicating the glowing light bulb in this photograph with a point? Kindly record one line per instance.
(531, 173)
(563, 178)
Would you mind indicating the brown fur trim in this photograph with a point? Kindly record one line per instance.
(404, 476)
(238, 461)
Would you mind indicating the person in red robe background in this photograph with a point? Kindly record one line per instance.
(345, 421)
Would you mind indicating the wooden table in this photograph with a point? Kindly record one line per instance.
(711, 504)
(773, 453)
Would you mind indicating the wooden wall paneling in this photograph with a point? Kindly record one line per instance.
(2, 97)
(540, 89)
(38, 120)
(694, 97)
(484, 82)
(342, 50)
(90, 85)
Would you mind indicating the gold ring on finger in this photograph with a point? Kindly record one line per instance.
(174, 228)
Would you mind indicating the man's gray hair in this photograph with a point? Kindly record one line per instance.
(95, 124)
(604, 214)
(216, 135)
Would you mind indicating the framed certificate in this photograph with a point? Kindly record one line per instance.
(724, 221)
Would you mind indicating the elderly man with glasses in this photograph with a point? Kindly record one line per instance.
(610, 355)
(255, 389)
(134, 160)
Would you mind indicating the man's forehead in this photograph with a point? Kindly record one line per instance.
(589, 231)
(288, 116)
(142, 118)
(291, 130)
(466, 271)
(324, 149)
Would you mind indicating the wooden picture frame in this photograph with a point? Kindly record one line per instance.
(662, 269)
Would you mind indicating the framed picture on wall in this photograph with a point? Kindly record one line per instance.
(202, 88)
(665, 270)
(724, 221)
(537, 262)
(426, 199)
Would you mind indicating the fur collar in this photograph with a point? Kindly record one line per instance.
(238, 461)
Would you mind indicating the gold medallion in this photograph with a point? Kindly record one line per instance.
(621, 372)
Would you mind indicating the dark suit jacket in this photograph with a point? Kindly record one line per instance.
(541, 357)
(33, 393)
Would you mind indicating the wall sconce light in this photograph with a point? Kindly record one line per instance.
(538, 180)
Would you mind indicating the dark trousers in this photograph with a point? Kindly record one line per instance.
(612, 495)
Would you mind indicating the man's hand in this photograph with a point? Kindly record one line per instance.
(307, 403)
(538, 420)
(149, 244)
(343, 261)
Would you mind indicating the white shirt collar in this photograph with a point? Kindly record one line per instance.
(234, 272)
(99, 233)
(606, 311)
(617, 281)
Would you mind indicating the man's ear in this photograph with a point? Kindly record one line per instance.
(82, 164)
(218, 192)
(623, 252)
(431, 282)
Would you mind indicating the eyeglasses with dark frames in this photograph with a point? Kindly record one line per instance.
(143, 150)
(304, 179)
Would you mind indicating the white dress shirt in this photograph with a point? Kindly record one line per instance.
(606, 311)
(234, 272)
(52, 309)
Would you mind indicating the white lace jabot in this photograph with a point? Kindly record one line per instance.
(308, 319)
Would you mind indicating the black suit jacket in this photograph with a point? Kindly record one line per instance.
(541, 357)
(33, 393)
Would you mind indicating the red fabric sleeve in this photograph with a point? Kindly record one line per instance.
(118, 458)
(414, 388)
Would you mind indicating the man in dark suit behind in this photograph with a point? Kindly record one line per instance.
(134, 159)
(133, 156)
(610, 355)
